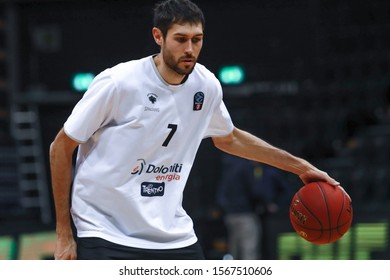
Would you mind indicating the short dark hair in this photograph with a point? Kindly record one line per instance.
(169, 12)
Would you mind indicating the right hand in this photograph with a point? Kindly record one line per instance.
(315, 174)
(65, 249)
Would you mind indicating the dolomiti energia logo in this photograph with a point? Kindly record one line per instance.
(163, 172)
(141, 167)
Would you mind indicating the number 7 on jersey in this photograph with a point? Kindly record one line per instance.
(173, 128)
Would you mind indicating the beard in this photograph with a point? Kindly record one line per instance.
(173, 64)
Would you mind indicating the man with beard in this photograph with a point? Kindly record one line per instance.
(138, 128)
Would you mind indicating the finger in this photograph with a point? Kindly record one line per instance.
(333, 182)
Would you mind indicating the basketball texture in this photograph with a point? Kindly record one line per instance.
(321, 213)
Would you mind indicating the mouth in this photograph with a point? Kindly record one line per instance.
(187, 61)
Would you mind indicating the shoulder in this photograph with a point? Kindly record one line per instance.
(203, 76)
(129, 67)
(203, 72)
(124, 73)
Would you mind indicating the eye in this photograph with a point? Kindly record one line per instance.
(181, 39)
(196, 40)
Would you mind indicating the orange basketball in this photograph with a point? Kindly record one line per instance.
(321, 213)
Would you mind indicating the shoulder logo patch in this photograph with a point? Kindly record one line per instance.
(198, 101)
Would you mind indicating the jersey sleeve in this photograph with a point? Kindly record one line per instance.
(94, 110)
(221, 123)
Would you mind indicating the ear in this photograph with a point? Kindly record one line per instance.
(157, 35)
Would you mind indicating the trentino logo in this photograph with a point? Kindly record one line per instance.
(150, 189)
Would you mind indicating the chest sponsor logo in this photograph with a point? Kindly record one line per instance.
(162, 172)
(150, 189)
(139, 166)
(198, 101)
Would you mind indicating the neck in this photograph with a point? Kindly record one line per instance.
(169, 76)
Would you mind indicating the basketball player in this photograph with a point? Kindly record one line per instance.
(138, 129)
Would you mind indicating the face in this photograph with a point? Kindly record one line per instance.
(181, 47)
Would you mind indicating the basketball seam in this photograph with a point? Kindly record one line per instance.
(338, 219)
(327, 209)
(340, 226)
(319, 221)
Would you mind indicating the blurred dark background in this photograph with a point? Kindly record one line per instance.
(317, 84)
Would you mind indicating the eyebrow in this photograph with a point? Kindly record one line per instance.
(186, 35)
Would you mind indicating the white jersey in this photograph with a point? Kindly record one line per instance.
(139, 140)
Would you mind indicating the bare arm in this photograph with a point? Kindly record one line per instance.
(61, 153)
(246, 145)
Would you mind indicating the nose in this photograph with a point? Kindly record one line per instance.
(188, 47)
